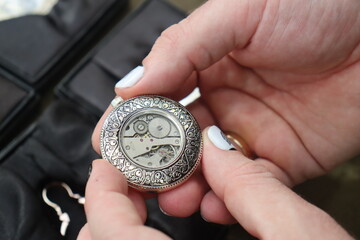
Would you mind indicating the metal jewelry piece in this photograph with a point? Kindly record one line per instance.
(63, 216)
(154, 141)
(240, 144)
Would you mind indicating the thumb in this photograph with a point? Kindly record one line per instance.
(112, 211)
(193, 45)
(257, 200)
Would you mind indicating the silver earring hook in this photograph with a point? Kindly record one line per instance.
(63, 216)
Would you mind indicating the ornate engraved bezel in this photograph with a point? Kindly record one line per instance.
(152, 179)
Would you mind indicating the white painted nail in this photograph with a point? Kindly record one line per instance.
(195, 94)
(131, 78)
(218, 138)
(116, 101)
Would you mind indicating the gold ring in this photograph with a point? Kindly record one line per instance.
(240, 144)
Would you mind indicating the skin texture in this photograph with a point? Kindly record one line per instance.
(284, 76)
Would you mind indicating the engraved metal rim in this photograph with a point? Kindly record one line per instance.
(174, 184)
(119, 115)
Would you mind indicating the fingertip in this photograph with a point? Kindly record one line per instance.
(104, 177)
(218, 138)
(108, 208)
(184, 200)
(213, 209)
(131, 79)
(95, 137)
(159, 81)
(84, 233)
(219, 162)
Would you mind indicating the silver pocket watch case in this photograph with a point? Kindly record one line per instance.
(154, 141)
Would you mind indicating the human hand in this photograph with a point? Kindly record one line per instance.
(113, 210)
(281, 74)
(259, 201)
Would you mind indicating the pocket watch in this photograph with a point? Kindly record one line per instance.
(154, 141)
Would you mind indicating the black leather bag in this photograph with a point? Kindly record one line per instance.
(36, 50)
(17, 100)
(57, 147)
(36, 47)
(91, 83)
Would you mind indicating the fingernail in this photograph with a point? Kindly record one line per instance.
(90, 169)
(218, 138)
(204, 218)
(116, 101)
(165, 213)
(131, 78)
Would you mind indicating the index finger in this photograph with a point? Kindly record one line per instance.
(194, 44)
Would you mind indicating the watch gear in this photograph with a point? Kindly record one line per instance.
(140, 127)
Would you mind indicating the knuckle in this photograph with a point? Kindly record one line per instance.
(168, 41)
(172, 36)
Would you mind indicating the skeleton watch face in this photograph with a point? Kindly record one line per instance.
(153, 140)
